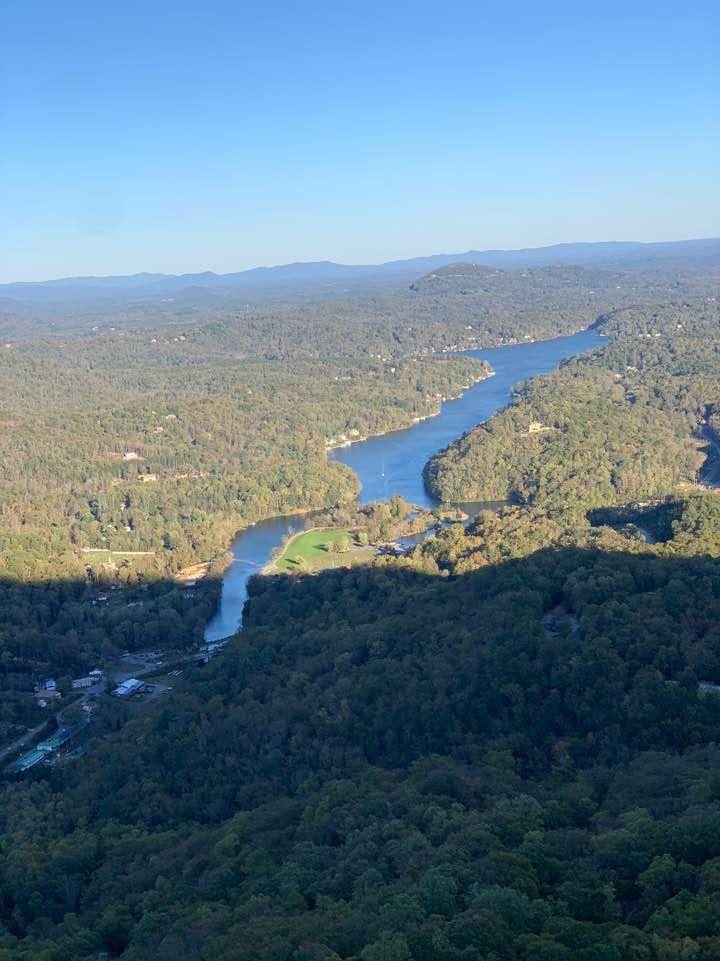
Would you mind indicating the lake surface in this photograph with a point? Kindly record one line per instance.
(393, 463)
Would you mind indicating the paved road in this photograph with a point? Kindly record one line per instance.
(34, 733)
(22, 740)
(30, 736)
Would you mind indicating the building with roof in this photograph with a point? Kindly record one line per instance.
(129, 688)
(43, 750)
(29, 760)
(56, 741)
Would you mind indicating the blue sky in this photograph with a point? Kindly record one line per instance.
(188, 136)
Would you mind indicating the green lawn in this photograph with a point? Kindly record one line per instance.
(313, 548)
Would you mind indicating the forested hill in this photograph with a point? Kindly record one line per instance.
(446, 299)
(516, 763)
(502, 747)
(607, 428)
(165, 441)
(317, 281)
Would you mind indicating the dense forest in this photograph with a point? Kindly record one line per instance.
(163, 442)
(607, 428)
(105, 494)
(516, 762)
(500, 747)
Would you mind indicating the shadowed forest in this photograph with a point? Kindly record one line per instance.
(402, 762)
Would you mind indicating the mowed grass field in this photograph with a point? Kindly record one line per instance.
(103, 556)
(311, 551)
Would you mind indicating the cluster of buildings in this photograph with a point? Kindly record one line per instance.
(42, 751)
(48, 690)
(94, 677)
(391, 550)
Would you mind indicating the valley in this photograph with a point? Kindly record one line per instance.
(490, 634)
(359, 482)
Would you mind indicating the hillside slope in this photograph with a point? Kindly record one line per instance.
(606, 428)
(320, 279)
(391, 764)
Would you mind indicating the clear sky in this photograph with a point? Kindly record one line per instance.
(179, 136)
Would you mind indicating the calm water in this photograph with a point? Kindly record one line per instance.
(393, 463)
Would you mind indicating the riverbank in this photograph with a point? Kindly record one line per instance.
(272, 565)
(392, 462)
(321, 548)
(362, 438)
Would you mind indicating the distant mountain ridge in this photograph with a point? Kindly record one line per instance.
(320, 279)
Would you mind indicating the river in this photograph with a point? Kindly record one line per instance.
(393, 463)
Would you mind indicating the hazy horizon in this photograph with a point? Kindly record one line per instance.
(151, 137)
(370, 262)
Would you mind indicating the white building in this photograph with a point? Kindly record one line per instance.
(129, 687)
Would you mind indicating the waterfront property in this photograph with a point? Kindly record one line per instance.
(393, 463)
(321, 548)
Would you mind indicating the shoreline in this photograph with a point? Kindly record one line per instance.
(271, 564)
(414, 420)
(303, 511)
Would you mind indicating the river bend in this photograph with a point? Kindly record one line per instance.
(393, 463)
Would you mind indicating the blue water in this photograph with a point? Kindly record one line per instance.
(393, 463)
(251, 551)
